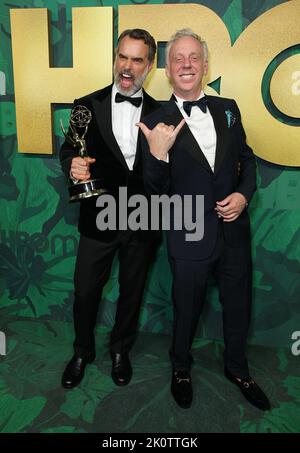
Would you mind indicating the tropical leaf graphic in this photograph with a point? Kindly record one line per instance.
(284, 419)
(15, 415)
(24, 273)
(83, 402)
(63, 429)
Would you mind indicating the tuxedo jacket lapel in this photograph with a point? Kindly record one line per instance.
(146, 110)
(220, 122)
(185, 138)
(103, 113)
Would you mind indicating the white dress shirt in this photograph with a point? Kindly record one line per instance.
(124, 119)
(203, 129)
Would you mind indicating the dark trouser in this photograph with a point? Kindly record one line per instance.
(232, 269)
(93, 266)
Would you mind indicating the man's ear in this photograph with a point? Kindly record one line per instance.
(150, 66)
(167, 71)
(206, 68)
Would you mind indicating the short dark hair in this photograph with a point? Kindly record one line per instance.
(139, 33)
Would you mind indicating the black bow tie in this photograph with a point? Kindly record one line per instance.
(201, 103)
(134, 101)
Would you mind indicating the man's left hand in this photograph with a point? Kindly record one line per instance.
(231, 207)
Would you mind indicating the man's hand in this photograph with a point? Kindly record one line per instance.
(231, 207)
(161, 138)
(80, 168)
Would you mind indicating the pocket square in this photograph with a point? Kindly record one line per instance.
(231, 119)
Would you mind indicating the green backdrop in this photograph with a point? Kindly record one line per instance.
(38, 234)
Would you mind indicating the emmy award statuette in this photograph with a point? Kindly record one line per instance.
(79, 121)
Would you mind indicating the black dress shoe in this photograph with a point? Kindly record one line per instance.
(74, 372)
(181, 388)
(251, 391)
(121, 371)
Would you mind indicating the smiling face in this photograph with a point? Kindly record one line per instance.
(131, 65)
(186, 67)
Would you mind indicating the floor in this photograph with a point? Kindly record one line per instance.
(33, 401)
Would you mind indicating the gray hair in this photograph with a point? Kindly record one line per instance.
(182, 33)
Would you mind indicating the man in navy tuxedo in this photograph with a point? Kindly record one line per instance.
(195, 144)
(113, 145)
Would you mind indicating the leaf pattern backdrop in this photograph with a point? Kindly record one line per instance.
(38, 234)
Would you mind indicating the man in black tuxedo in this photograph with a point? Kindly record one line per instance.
(113, 144)
(197, 146)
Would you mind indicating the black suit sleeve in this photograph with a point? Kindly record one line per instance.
(247, 179)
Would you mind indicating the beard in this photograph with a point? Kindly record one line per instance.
(137, 81)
